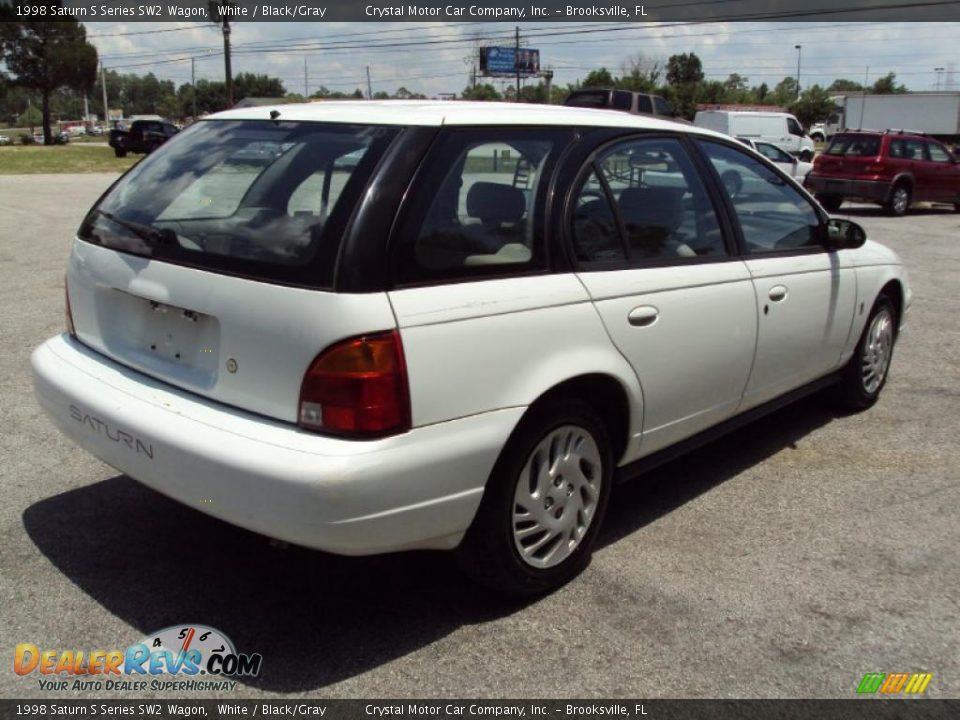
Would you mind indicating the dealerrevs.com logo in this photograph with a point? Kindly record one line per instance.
(178, 658)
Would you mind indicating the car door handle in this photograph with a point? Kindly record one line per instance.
(643, 316)
(777, 293)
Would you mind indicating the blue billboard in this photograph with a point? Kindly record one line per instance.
(507, 60)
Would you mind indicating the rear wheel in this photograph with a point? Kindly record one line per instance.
(866, 373)
(119, 152)
(544, 502)
(899, 200)
(830, 203)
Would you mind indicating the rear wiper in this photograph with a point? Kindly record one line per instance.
(150, 235)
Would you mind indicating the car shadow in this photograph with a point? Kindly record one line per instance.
(318, 618)
(877, 211)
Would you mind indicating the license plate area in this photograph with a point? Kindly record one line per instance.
(167, 341)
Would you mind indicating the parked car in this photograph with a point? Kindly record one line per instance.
(626, 100)
(777, 128)
(892, 168)
(57, 138)
(459, 341)
(144, 136)
(4, 140)
(793, 166)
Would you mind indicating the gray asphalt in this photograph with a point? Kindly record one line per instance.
(784, 561)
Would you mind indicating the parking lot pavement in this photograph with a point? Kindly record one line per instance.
(785, 560)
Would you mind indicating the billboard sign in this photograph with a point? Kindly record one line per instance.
(506, 60)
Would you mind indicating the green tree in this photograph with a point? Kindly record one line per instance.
(249, 85)
(844, 85)
(30, 118)
(813, 106)
(684, 69)
(484, 91)
(887, 85)
(785, 92)
(46, 56)
(599, 79)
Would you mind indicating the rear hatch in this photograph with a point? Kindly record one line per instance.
(851, 155)
(210, 265)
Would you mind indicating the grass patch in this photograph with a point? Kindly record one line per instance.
(79, 158)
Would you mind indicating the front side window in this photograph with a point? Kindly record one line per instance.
(643, 104)
(257, 198)
(794, 127)
(477, 207)
(773, 215)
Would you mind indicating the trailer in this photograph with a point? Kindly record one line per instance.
(930, 113)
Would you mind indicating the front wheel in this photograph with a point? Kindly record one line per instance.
(119, 152)
(544, 503)
(806, 155)
(866, 373)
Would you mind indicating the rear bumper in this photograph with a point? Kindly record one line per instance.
(416, 490)
(871, 190)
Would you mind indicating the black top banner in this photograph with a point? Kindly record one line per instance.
(492, 11)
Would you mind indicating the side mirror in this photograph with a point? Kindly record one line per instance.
(845, 234)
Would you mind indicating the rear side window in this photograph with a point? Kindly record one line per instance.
(653, 190)
(938, 154)
(854, 146)
(663, 107)
(622, 100)
(643, 104)
(478, 206)
(255, 198)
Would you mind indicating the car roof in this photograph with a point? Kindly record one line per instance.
(454, 112)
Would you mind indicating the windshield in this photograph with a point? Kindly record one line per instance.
(262, 199)
(854, 146)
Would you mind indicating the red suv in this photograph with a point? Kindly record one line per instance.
(893, 168)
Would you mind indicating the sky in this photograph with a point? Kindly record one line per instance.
(761, 52)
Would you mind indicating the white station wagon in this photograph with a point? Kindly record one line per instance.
(378, 326)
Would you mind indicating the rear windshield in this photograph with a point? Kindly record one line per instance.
(595, 99)
(854, 145)
(262, 199)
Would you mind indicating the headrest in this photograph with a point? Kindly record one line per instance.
(494, 203)
(652, 207)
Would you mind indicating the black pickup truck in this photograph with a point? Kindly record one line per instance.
(144, 136)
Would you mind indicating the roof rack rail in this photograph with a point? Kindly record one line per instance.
(904, 131)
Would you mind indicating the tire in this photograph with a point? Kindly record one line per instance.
(119, 152)
(865, 375)
(899, 201)
(830, 203)
(806, 156)
(524, 542)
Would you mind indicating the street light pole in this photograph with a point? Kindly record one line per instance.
(799, 49)
(938, 70)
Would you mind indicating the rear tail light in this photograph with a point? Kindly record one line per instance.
(66, 296)
(357, 387)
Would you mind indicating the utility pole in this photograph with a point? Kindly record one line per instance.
(306, 92)
(369, 86)
(938, 70)
(193, 85)
(516, 62)
(799, 49)
(548, 83)
(103, 85)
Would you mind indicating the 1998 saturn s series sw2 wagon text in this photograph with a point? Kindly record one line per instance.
(376, 326)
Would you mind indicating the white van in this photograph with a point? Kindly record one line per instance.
(780, 129)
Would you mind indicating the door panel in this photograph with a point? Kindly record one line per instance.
(689, 332)
(805, 306)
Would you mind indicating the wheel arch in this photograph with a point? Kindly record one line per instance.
(607, 395)
(894, 290)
